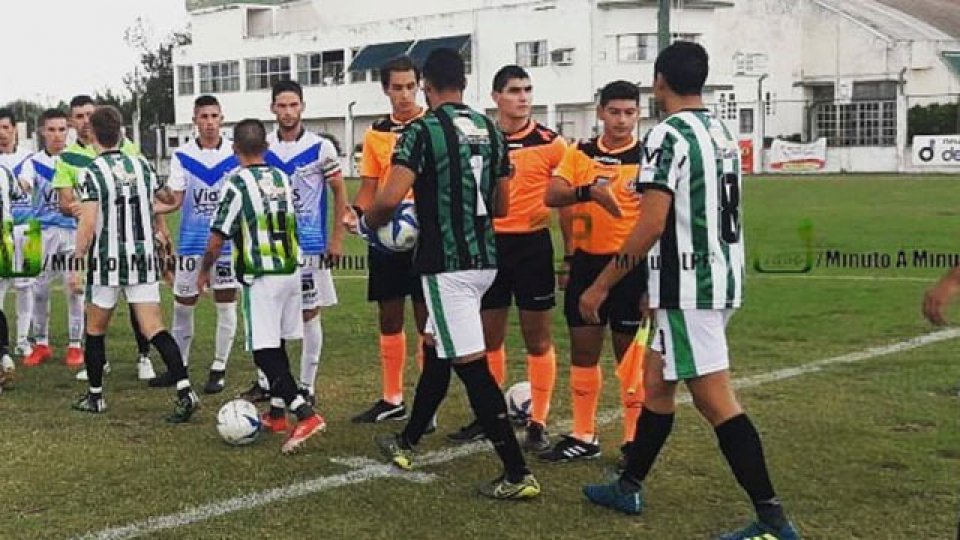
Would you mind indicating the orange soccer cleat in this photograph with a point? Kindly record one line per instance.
(301, 432)
(74, 357)
(273, 425)
(40, 354)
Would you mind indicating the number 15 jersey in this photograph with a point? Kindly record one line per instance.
(698, 263)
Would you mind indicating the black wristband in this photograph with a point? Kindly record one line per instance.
(358, 211)
(582, 193)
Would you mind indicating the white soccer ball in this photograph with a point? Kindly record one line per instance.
(401, 233)
(238, 422)
(518, 402)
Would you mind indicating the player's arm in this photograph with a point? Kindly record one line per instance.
(224, 225)
(64, 176)
(340, 210)
(370, 172)
(936, 299)
(177, 185)
(502, 205)
(176, 202)
(398, 184)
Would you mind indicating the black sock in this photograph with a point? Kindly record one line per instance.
(652, 432)
(94, 357)
(741, 445)
(4, 335)
(488, 405)
(431, 389)
(170, 353)
(143, 346)
(276, 366)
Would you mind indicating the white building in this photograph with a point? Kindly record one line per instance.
(842, 69)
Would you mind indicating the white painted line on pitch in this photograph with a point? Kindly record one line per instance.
(366, 470)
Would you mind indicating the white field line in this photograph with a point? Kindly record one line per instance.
(366, 470)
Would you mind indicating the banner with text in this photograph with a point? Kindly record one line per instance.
(786, 156)
(936, 150)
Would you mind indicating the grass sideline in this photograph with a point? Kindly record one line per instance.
(863, 450)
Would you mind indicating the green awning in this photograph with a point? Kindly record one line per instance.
(374, 56)
(424, 47)
(952, 58)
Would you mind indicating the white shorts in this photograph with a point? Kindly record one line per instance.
(106, 297)
(693, 342)
(19, 236)
(453, 307)
(188, 268)
(272, 311)
(316, 283)
(58, 245)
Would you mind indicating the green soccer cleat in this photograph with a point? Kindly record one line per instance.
(391, 447)
(184, 409)
(502, 489)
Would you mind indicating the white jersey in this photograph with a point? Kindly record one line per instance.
(698, 262)
(17, 163)
(199, 173)
(310, 161)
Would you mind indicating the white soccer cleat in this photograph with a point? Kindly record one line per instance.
(8, 371)
(145, 369)
(82, 374)
(23, 349)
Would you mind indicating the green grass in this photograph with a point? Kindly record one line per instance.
(868, 450)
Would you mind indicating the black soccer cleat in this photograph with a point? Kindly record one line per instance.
(571, 449)
(184, 408)
(256, 394)
(469, 433)
(536, 439)
(164, 380)
(216, 382)
(381, 411)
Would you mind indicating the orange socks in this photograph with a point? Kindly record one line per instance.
(497, 362)
(393, 352)
(542, 373)
(585, 383)
(632, 405)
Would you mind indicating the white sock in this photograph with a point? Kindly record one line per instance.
(183, 329)
(310, 352)
(75, 317)
(226, 331)
(262, 381)
(41, 312)
(24, 313)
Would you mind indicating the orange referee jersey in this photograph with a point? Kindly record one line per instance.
(378, 143)
(594, 229)
(535, 152)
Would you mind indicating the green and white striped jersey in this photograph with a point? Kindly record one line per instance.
(698, 263)
(123, 251)
(256, 211)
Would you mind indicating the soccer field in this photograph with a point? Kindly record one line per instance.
(857, 449)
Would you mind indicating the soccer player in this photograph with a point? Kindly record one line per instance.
(15, 157)
(455, 159)
(525, 253)
(311, 163)
(66, 178)
(197, 173)
(116, 220)
(58, 244)
(256, 211)
(391, 276)
(690, 225)
(595, 179)
(9, 190)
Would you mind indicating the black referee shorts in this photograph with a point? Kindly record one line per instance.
(524, 272)
(391, 276)
(621, 309)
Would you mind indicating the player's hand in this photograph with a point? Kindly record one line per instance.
(590, 302)
(645, 312)
(602, 195)
(351, 220)
(937, 298)
(335, 250)
(76, 281)
(26, 186)
(74, 208)
(203, 281)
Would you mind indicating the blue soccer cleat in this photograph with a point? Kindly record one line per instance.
(612, 496)
(761, 531)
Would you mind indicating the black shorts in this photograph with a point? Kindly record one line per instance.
(621, 309)
(524, 271)
(391, 276)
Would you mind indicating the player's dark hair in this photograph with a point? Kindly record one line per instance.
(107, 124)
(684, 66)
(50, 114)
(619, 90)
(8, 114)
(80, 101)
(250, 137)
(506, 74)
(444, 70)
(286, 86)
(205, 100)
(399, 65)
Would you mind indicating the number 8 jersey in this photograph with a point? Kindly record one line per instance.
(698, 263)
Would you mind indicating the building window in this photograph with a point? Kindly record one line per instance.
(875, 90)
(218, 77)
(636, 47)
(334, 67)
(185, 80)
(860, 123)
(263, 73)
(532, 53)
(727, 106)
(308, 69)
(357, 76)
(746, 121)
(320, 69)
(467, 54)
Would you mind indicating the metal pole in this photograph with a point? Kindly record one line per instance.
(762, 131)
(663, 25)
